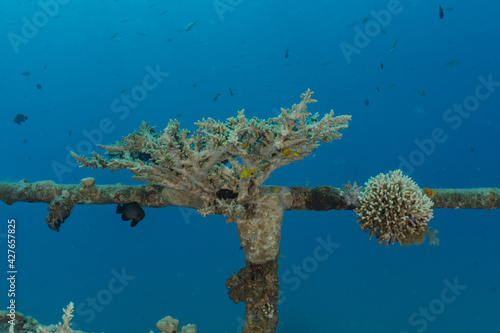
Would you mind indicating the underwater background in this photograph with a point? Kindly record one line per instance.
(402, 70)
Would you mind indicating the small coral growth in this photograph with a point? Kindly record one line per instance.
(394, 210)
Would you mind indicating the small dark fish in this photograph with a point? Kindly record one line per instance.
(226, 194)
(114, 35)
(26, 73)
(441, 13)
(178, 115)
(20, 118)
(378, 89)
(367, 102)
(45, 66)
(493, 288)
(472, 149)
(151, 6)
(39, 86)
(381, 65)
(420, 91)
(70, 133)
(216, 96)
(365, 19)
(230, 92)
(286, 53)
(125, 20)
(144, 157)
(142, 34)
(452, 63)
(131, 211)
(163, 12)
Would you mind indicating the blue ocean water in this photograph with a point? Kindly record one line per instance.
(432, 110)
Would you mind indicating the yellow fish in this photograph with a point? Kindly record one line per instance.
(246, 173)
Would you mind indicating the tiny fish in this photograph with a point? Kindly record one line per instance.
(365, 19)
(163, 12)
(441, 14)
(144, 157)
(378, 89)
(230, 92)
(131, 211)
(26, 73)
(151, 6)
(114, 35)
(38, 86)
(216, 96)
(367, 102)
(226, 194)
(393, 47)
(189, 26)
(142, 34)
(20, 118)
(286, 54)
(381, 65)
(453, 63)
(420, 91)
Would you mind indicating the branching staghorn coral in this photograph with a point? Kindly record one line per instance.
(237, 155)
(65, 326)
(226, 163)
